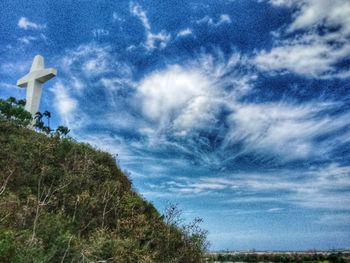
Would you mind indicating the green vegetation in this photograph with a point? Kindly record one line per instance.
(64, 201)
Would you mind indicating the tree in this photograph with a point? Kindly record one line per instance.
(47, 114)
(39, 124)
(21, 103)
(62, 131)
(13, 110)
(38, 120)
(194, 239)
(12, 100)
(38, 116)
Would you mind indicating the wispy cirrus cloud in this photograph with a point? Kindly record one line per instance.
(223, 19)
(185, 32)
(153, 40)
(26, 24)
(340, 219)
(309, 55)
(79, 67)
(86, 71)
(283, 129)
(198, 110)
(90, 60)
(99, 33)
(27, 40)
(65, 104)
(284, 2)
(313, 188)
(184, 101)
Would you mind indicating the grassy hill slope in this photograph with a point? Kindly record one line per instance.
(64, 201)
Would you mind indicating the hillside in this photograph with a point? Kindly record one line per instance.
(64, 201)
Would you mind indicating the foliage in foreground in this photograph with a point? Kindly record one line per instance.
(13, 110)
(63, 201)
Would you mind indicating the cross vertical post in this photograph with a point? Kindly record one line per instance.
(33, 81)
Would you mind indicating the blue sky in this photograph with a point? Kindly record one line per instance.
(238, 111)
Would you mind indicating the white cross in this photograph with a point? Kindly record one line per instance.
(37, 76)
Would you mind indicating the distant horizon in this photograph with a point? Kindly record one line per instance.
(280, 251)
(238, 111)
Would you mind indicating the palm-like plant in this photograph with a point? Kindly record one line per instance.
(21, 103)
(12, 100)
(46, 129)
(47, 114)
(38, 116)
(62, 130)
(38, 120)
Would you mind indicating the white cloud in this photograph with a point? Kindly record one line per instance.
(27, 39)
(25, 24)
(184, 32)
(91, 59)
(92, 69)
(283, 130)
(116, 17)
(308, 59)
(141, 14)
(309, 56)
(183, 99)
(64, 103)
(304, 188)
(274, 210)
(9, 86)
(98, 33)
(67, 107)
(153, 40)
(20, 67)
(323, 12)
(206, 19)
(223, 19)
(310, 53)
(170, 97)
(165, 92)
(77, 84)
(113, 145)
(30, 39)
(199, 186)
(179, 102)
(284, 2)
(200, 112)
(117, 83)
(335, 220)
(176, 104)
(160, 39)
(315, 199)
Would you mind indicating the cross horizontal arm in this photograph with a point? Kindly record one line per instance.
(42, 76)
